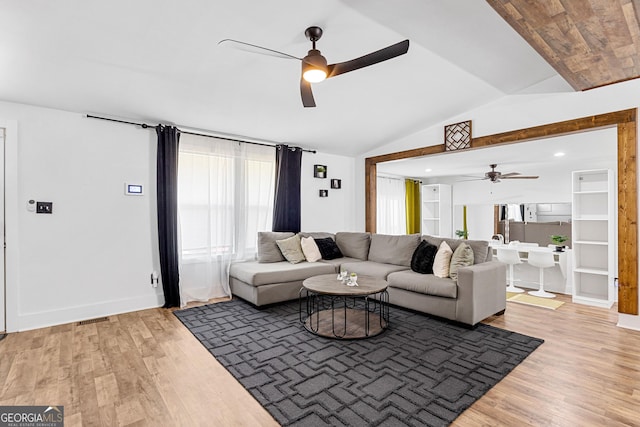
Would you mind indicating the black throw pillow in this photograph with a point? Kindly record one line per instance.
(328, 248)
(423, 256)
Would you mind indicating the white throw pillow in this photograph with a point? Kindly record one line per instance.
(310, 249)
(442, 260)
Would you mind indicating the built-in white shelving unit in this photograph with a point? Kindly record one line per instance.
(594, 218)
(436, 210)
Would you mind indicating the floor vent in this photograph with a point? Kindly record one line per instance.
(90, 321)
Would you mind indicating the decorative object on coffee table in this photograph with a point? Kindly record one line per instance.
(319, 171)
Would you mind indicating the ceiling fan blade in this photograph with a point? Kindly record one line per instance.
(248, 47)
(510, 174)
(473, 179)
(519, 177)
(306, 94)
(370, 59)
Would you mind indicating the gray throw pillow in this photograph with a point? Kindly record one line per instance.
(268, 250)
(291, 249)
(462, 257)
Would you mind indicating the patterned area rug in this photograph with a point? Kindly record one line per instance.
(420, 372)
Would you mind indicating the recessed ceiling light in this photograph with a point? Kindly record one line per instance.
(428, 170)
(559, 154)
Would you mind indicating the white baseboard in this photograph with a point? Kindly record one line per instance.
(28, 321)
(629, 321)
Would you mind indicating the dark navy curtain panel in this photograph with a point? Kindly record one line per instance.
(286, 209)
(167, 188)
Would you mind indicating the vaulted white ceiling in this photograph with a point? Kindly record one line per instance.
(159, 61)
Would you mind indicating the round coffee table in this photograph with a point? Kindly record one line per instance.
(335, 310)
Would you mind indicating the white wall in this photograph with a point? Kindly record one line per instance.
(93, 256)
(523, 111)
(337, 212)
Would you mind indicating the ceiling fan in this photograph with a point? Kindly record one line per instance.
(495, 176)
(314, 66)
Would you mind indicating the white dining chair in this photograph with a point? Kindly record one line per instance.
(511, 257)
(542, 260)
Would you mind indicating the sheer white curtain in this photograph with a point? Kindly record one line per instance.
(391, 214)
(225, 196)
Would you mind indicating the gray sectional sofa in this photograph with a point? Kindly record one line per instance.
(478, 292)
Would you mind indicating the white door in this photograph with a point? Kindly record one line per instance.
(2, 234)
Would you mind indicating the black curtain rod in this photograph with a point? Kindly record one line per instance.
(146, 126)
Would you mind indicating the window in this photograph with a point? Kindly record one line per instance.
(225, 196)
(391, 206)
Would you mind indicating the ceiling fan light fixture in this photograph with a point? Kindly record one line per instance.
(314, 75)
(314, 67)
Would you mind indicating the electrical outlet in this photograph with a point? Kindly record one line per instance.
(44, 207)
(154, 279)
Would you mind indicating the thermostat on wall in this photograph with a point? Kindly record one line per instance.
(133, 189)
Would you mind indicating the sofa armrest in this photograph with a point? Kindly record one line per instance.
(481, 291)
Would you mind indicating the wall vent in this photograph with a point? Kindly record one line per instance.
(90, 321)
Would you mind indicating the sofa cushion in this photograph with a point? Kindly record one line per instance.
(422, 259)
(396, 250)
(268, 250)
(442, 261)
(337, 262)
(462, 257)
(328, 248)
(310, 249)
(481, 250)
(291, 249)
(370, 268)
(257, 274)
(423, 283)
(354, 245)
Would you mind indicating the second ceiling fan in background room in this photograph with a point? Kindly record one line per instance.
(315, 68)
(495, 176)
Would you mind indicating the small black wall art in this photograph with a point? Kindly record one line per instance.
(319, 171)
(336, 183)
(324, 193)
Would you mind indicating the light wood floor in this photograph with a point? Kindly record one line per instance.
(145, 368)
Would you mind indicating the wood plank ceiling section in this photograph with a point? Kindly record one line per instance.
(590, 43)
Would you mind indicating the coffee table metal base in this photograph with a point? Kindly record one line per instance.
(344, 317)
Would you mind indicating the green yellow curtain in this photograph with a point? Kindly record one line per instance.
(412, 200)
